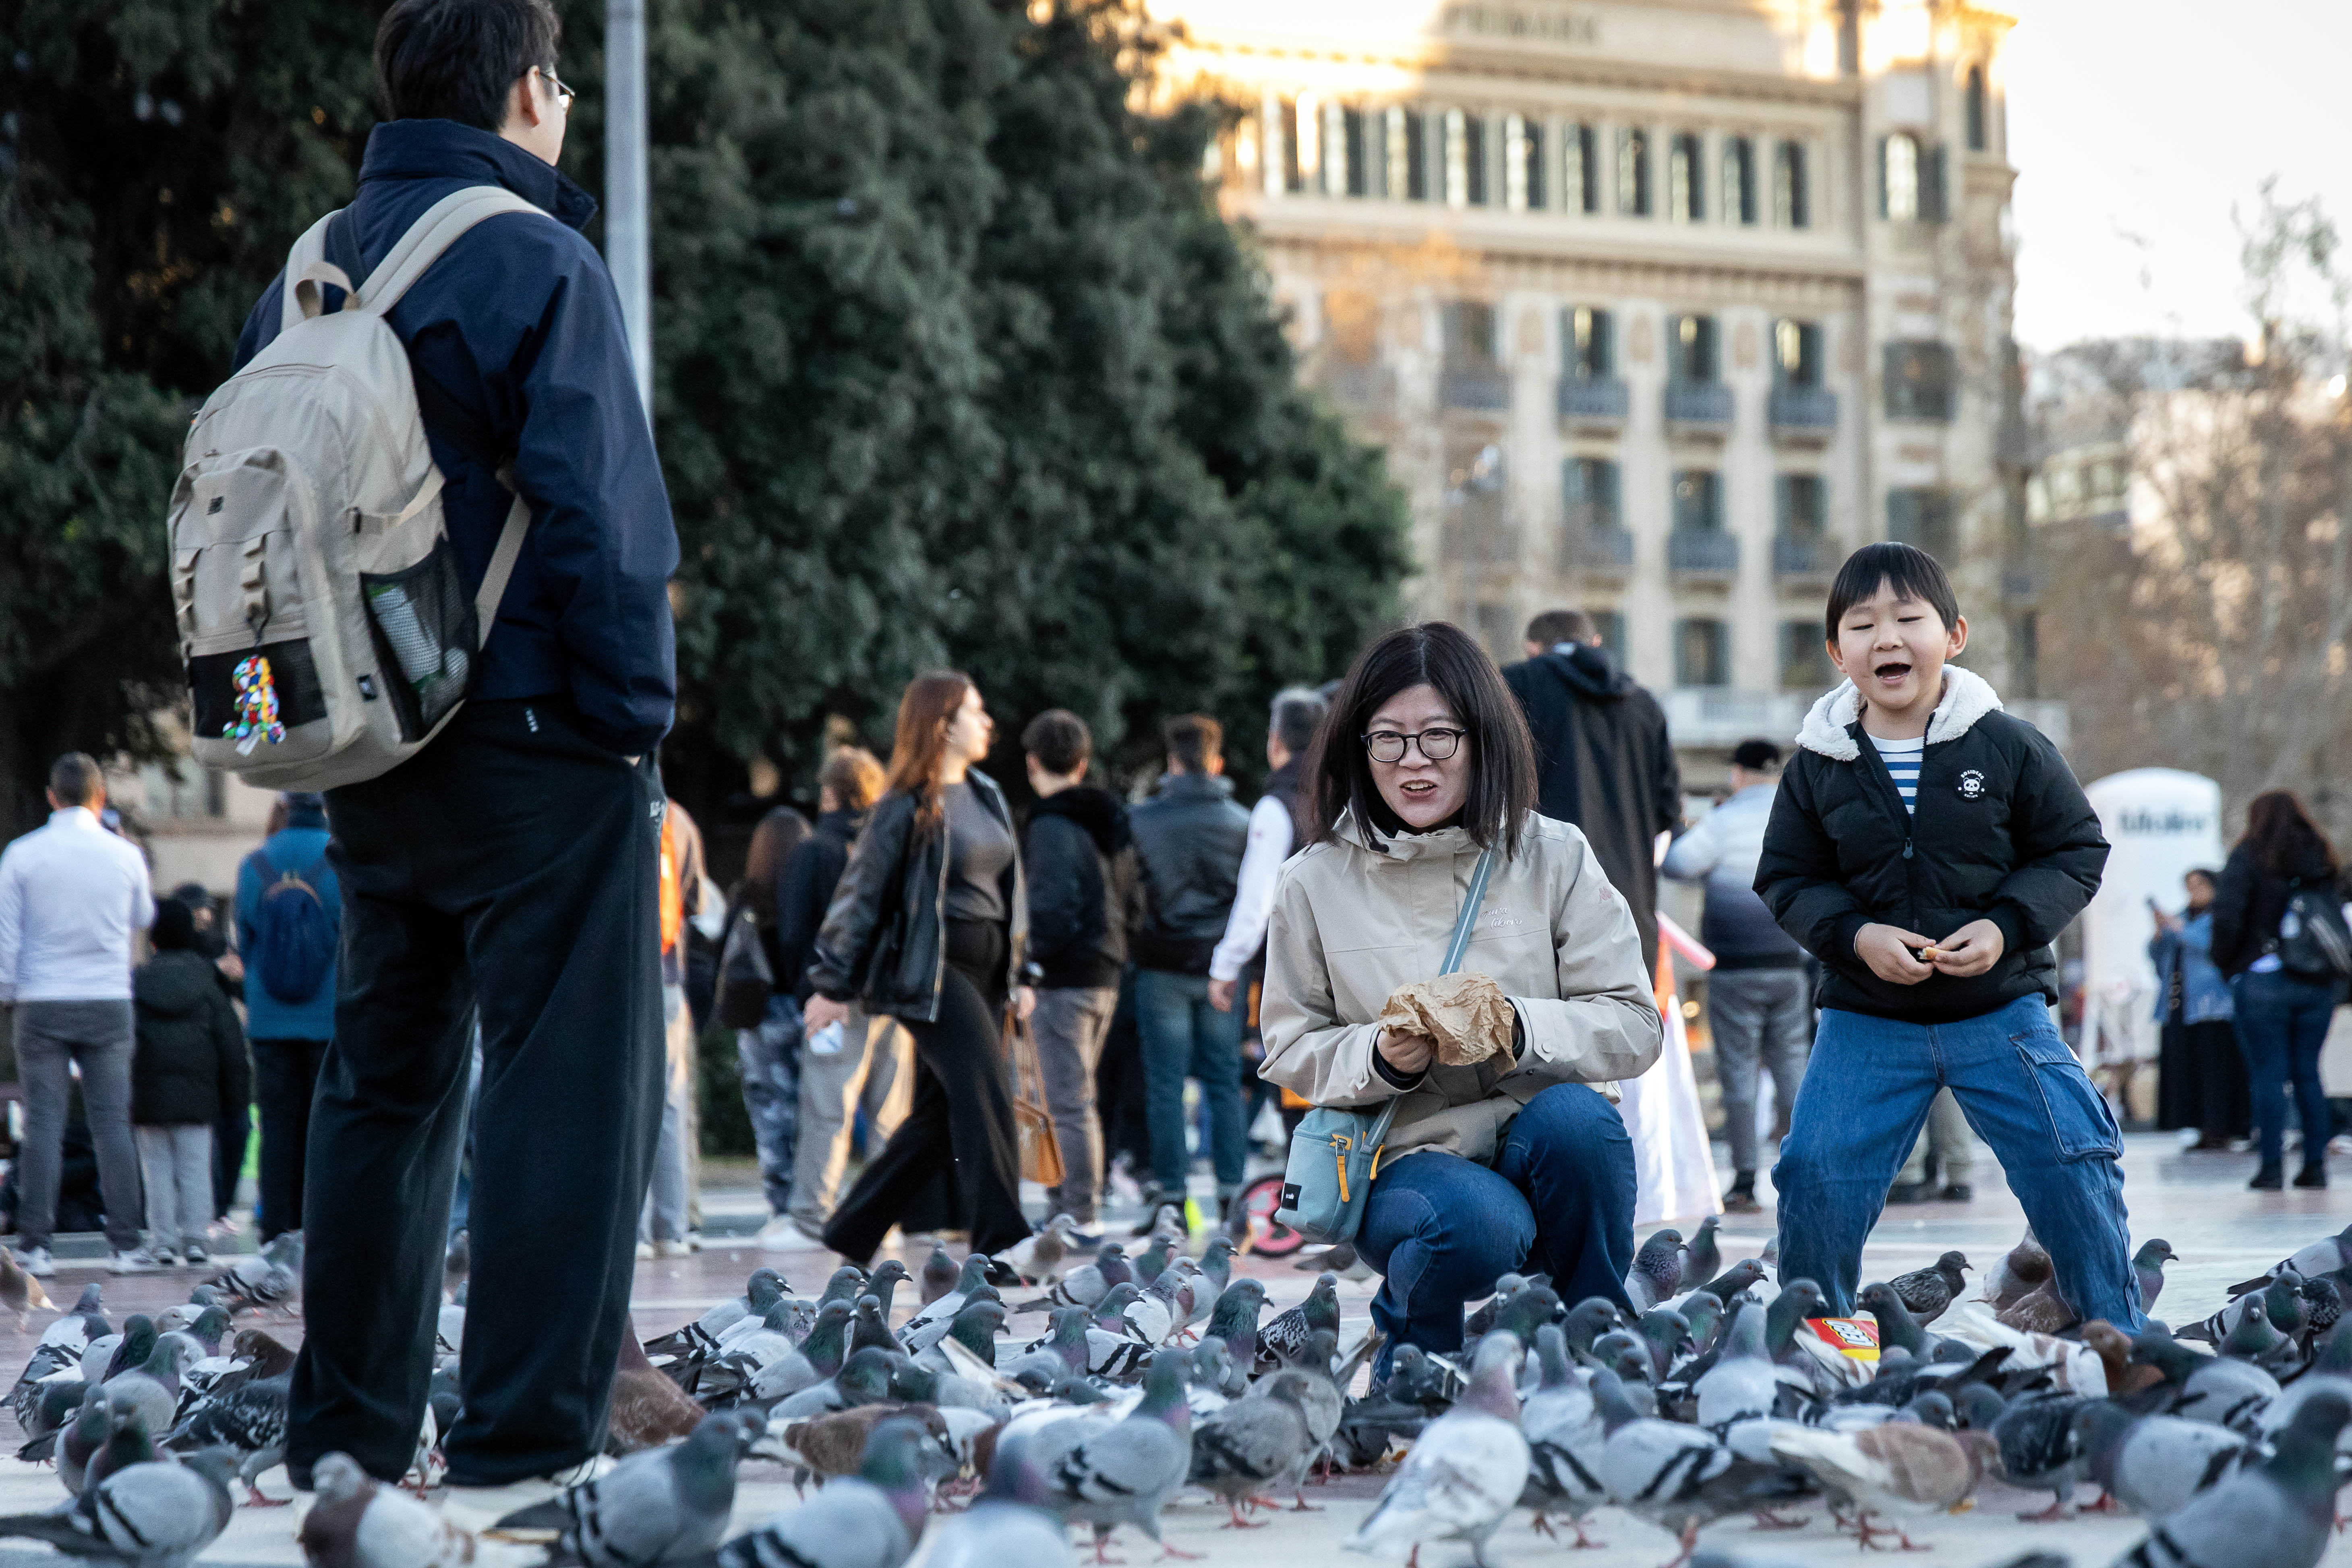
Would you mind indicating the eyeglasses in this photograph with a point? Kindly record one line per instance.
(562, 91)
(1387, 746)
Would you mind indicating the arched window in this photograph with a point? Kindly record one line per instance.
(1898, 196)
(1686, 179)
(1975, 108)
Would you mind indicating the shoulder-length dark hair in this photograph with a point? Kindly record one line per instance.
(1502, 754)
(924, 712)
(2282, 839)
(778, 833)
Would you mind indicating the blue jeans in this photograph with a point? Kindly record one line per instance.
(770, 1057)
(1865, 1097)
(1559, 1197)
(2281, 1023)
(1182, 1036)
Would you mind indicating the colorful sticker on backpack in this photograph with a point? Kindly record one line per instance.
(256, 706)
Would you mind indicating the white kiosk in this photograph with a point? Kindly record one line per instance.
(2163, 823)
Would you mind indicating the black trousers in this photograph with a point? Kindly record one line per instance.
(961, 1120)
(284, 1079)
(511, 864)
(231, 1135)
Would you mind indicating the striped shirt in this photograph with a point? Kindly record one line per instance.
(1902, 759)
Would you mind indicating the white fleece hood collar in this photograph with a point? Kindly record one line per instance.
(1968, 697)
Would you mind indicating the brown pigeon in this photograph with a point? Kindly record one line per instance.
(648, 1409)
(2025, 1270)
(831, 1446)
(356, 1524)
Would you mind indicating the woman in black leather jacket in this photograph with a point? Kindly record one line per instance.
(926, 926)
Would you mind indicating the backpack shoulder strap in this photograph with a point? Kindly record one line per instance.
(431, 235)
(306, 262)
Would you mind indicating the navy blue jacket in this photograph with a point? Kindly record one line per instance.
(519, 325)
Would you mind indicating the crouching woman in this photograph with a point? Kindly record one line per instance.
(1518, 1163)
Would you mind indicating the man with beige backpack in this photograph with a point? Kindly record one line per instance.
(420, 558)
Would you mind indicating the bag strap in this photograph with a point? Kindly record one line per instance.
(432, 233)
(1463, 924)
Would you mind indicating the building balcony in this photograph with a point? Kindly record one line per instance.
(1698, 408)
(1804, 558)
(1723, 716)
(1807, 415)
(1596, 549)
(1597, 402)
(1483, 391)
(1703, 554)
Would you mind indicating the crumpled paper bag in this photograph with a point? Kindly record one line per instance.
(1467, 1013)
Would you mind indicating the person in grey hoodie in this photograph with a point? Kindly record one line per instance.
(1759, 1006)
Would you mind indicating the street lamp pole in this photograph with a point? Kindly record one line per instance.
(626, 226)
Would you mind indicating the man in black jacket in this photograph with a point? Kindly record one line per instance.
(1080, 864)
(1603, 759)
(1189, 838)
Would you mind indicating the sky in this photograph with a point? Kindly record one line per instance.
(2136, 125)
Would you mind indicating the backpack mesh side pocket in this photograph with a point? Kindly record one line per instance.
(421, 623)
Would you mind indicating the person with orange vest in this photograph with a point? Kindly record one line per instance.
(662, 1229)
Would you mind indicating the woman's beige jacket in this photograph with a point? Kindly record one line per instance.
(1357, 917)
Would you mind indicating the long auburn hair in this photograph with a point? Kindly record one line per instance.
(1502, 754)
(929, 703)
(2283, 836)
(773, 841)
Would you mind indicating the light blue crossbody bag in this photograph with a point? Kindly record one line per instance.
(1335, 1154)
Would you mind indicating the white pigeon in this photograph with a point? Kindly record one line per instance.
(1464, 1475)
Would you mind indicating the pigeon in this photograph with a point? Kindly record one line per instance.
(2329, 1255)
(249, 1423)
(925, 1328)
(648, 1409)
(1319, 1397)
(1285, 1335)
(356, 1522)
(2267, 1336)
(973, 1330)
(1743, 1385)
(828, 1447)
(1902, 1468)
(2148, 1269)
(59, 1400)
(2152, 1464)
(2219, 1389)
(19, 1291)
(1215, 1265)
(871, 1519)
(1125, 1473)
(1234, 1324)
(661, 1506)
(1011, 1523)
(1084, 1285)
(155, 1515)
(2023, 1271)
(1702, 1257)
(1564, 1434)
(814, 1360)
(1926, 1292)
(1657, 1272)
(869, 1328)
(864, 1379)
(152, 1389)
(110, 1356)
(2040, 1448)
(1464, 1475)
(2040, 1311)
(1677, 1478)
(938, 1275)
(84, 1437)
(1898, 1329)
(1039, 1256)
(1748, 1271)
(1253, 1445)
(1061, 1353)
(2331, 1372)
(1159, 1308)
(268, 1280)
(2278, 1515)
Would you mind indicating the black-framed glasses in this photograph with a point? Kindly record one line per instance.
(562, 91)
(1436, 745)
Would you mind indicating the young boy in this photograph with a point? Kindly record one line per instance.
(1927, 848)
(188, 1066)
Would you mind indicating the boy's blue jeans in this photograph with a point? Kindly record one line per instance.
(1558, 1199)
(1183, 1037)
(1864, 1100)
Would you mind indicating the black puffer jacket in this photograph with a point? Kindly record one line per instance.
(1080, 861)
(2003, 832)
(2249, 903)
(1188, 839)
(189, 1064)
(884, 938)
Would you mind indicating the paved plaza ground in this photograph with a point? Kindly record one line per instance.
(2221, 1232)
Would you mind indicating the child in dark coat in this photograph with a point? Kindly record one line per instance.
(189, 1065)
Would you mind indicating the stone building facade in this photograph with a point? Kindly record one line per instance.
(1659, 306)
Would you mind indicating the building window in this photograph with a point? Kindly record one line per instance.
(1331, 143)
(1590, 338)
(1922, 517)
(1701, 652)
(1739, 180)
(1416, 156)
(1634, 171)
(1527, 166)
(1610, 625)
(1804, 658)
(1698, 502)
(1686, 179)
(1802, 503)
(1690, 348)
(1580, 177)
(1357, 148)
(1975, 98)
(1796, 353)
(1919, 381)
(1589, 493)
(1473, 161)
(1790, 201)
(1395, 162)
(1898, 187)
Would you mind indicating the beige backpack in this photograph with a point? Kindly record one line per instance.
(325, 631)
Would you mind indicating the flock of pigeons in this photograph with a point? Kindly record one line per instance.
(1156, 1372)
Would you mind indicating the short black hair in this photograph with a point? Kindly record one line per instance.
(1192, 739)
(1501, 754)
(1554, 628)
(1298, 714)
(1910, 571)
(1060, 742)
(1756, 756)
(456, 59)
(75, 777)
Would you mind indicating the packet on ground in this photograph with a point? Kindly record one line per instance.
(1467, 1013)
